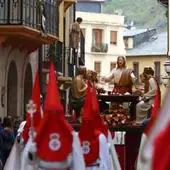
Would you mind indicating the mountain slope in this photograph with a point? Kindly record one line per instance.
(142, 13)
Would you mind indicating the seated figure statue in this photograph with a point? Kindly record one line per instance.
(78, 90)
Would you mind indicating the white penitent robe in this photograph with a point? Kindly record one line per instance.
(14, 160)
(115, 165)
(104, 162)
(26, 164)
(147, 164)
(77, 156)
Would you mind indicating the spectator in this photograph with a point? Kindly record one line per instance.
(7, 138)
(17, 122)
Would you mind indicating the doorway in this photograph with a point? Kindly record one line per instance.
(12, 90)
(27, 86)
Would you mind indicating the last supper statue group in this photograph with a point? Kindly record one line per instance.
(125, 83)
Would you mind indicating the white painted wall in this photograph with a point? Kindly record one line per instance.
(108, 23)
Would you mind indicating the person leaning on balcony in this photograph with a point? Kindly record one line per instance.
(122, 77)
(143, 107)
(78, 91)
(75, 34)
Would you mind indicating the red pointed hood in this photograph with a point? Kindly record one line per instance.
(89, 136)
(98, 123)
(87, 108)
(52, 98)
(37, 116)
(54, 127)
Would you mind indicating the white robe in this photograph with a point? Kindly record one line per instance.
(26, 164)
(14, 160)
(115, 165)
(77, 156)
(104, 162)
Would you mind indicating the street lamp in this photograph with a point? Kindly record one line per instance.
(166, 78)
(167, 67)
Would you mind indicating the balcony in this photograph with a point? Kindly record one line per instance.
(53, 52)
(27, 24)
(82, 50)
(100, 47)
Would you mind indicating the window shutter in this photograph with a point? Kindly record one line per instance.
(113, 37)
(97, 66)
(157, 71)
(97, 36)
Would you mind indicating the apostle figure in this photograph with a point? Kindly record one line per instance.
(57, 145)
(147, 100)
(75, 33)
(78, 91)
(75, 36)
(41, 14)
(93, 141)
(122, 76)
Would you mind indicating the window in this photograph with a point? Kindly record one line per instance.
(97, 66)
(157, 70)
(136, 70)
(126, 43)
(97, 36)
(113, 37)
(112, 65)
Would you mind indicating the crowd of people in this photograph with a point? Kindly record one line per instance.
(45, 140)
(85, 104)
(8, 132)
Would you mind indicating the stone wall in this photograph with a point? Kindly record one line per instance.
(17, 61)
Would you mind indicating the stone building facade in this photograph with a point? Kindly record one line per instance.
(16, 79)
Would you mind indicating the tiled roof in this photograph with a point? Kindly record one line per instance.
(91, 0)
(155, 46)
(133, 32)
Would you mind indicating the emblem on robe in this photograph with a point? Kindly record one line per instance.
(86, 147)
(54, 143)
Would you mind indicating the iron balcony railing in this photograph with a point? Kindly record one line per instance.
(82, 50)
(53, 52)
(31, 13)
(100, 47)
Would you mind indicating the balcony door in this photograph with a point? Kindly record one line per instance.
(97, 36)
(27, 86)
